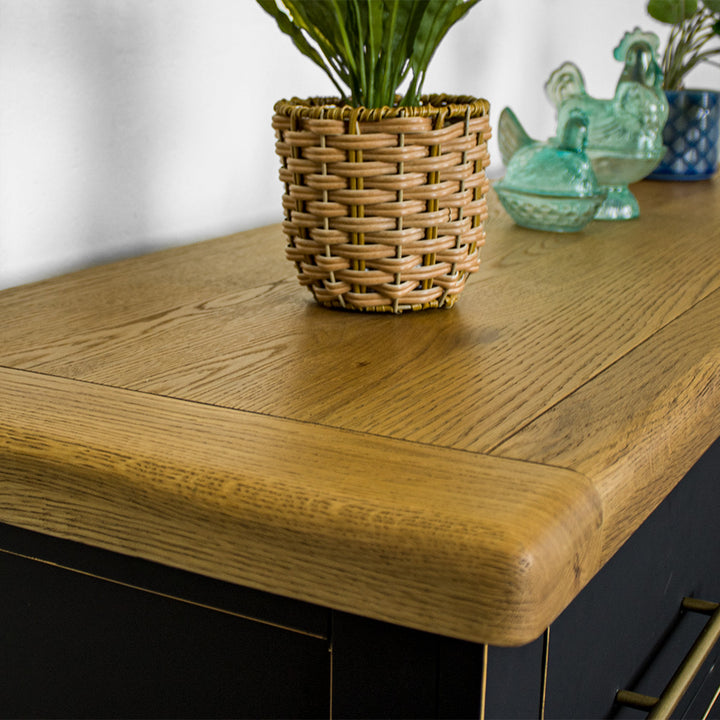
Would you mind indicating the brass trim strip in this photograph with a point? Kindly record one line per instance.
(543, 681)
(331, 669)
(673, 693)
(483, 682)
(167, 596)
(712, 704)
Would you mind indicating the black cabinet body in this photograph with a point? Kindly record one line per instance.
(88, 634)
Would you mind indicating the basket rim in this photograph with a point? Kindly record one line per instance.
(433, 105)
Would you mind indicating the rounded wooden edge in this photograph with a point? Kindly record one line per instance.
(465, 545)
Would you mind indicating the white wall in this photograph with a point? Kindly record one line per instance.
(129, 125)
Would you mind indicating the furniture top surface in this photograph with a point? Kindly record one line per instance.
(465, 471)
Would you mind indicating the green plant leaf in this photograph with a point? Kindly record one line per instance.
(438, 17)
(294, 31)
(285, 24)
(324, 22)
(372, 57)
(672, 11)
(712, 5)
(406, 41)
(370, 46)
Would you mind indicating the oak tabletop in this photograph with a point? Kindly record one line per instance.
(463, 471)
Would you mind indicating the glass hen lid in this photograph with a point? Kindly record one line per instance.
(558, 169)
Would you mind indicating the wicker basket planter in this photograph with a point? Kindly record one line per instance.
(384, 208)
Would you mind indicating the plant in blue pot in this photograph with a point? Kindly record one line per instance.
(693, 125)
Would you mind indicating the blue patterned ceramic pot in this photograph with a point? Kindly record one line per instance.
(690, 136)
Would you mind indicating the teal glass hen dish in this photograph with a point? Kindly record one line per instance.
(624, 134)
(551, 185)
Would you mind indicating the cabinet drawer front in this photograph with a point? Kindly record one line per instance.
(79, 646)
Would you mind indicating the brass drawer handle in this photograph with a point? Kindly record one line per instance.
(663, 706)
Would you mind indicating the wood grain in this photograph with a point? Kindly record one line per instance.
(463, 471)
(466, 545)
(545, 315)
(638, 427)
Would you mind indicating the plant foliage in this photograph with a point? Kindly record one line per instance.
(369, 48)
(695, 24)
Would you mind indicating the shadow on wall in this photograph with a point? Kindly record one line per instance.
(113, 71)
(119, 130)
(75, 144)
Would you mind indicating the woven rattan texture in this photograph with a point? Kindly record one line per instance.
(384, 208)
